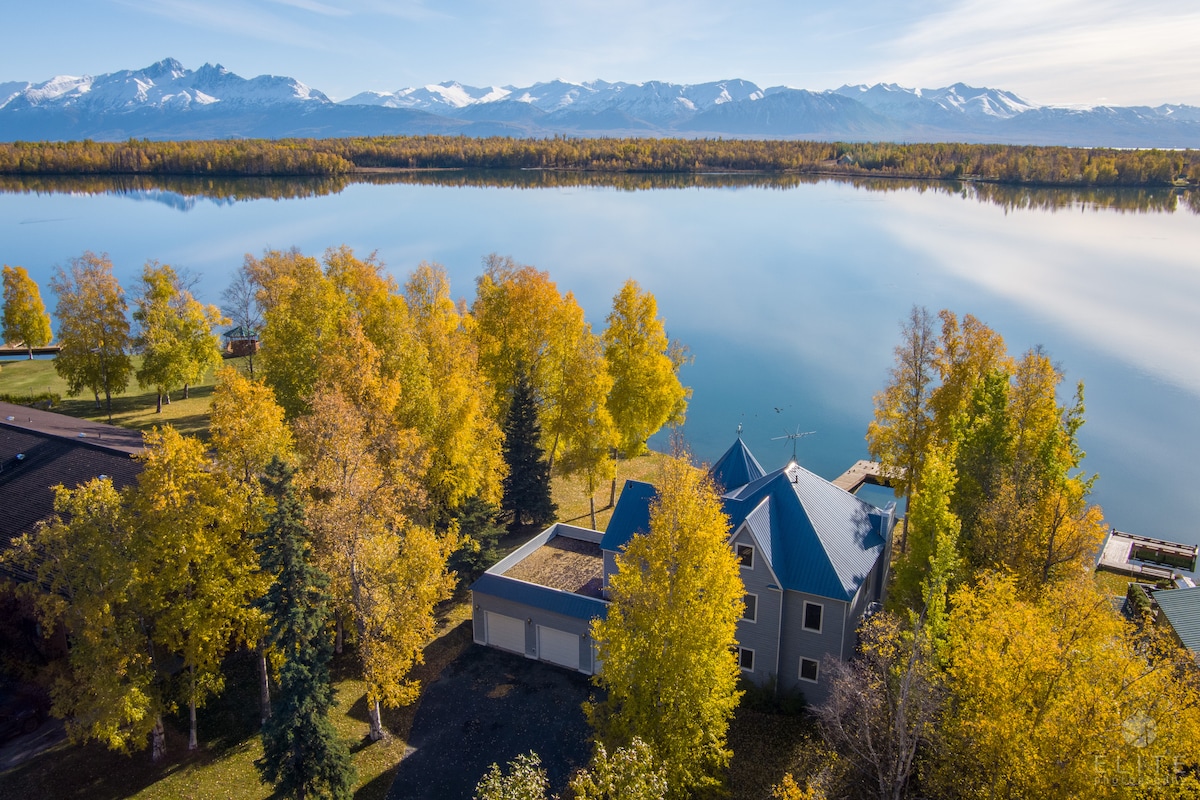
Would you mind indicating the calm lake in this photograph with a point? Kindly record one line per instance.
(789, 294)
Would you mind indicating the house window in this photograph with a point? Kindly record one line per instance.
(745, 556)
(751, 612)
(746, 659)
(809, 670)
(812, 616)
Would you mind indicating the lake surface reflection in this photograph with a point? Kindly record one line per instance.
(789, 292)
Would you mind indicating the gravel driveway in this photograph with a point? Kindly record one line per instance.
(489, 707)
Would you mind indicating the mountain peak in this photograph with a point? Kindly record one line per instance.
(214, 102)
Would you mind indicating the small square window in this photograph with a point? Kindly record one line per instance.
(809, 670)
(746, 659)
(751, 612)
(812, 616)
(745, 556)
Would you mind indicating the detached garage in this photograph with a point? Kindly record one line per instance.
(540, 601)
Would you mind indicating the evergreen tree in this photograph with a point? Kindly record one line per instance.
(527, 485)
(302, 755)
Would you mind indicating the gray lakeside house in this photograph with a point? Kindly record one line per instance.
(813, 557)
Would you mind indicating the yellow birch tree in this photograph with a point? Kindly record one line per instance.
(667, 645)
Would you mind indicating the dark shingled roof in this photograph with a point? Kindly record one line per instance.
(40, 450)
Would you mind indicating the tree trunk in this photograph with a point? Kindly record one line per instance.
(30, 352)
(592, 504)
(612, 493)
(251, 362)
(264, 684)
(193, 743)
(158, 410)
(158, 740)
(339, 633)
(375, 716)
(186, 394)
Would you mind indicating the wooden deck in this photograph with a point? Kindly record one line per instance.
(862, 472)
(14, 352)
(1144, 557)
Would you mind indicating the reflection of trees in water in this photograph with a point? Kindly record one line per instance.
(174, 191)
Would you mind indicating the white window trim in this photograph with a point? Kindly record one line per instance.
(753, 554)
(804, 617)
(749, 650)
(818, 666)
(755, 617)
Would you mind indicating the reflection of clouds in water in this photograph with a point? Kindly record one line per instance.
(1127, 284)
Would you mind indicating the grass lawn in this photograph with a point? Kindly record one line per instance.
(134, 409)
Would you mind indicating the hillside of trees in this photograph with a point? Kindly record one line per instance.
(1044, 166)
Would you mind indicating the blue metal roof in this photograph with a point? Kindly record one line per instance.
(632, 515)
(822, 539)
(736, 468)
(569, 605)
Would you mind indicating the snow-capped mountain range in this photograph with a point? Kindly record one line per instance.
(168, 101)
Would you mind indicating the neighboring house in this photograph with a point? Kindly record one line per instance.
(240, 341)
(813, 558)
(40, 450)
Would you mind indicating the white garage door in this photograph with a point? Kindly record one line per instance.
(507, 633)
(558, 647)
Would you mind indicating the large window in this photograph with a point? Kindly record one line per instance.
(751, 612)
(745, 556)
(746, 659)
(809, 670)
(812, 616)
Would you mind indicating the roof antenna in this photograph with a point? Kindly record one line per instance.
(795, 437)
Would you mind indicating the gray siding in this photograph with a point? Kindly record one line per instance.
(761, 636)
(798, 643)
(867, 594)
(536, 616)
(610, 568)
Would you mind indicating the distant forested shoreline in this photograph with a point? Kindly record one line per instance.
(1006, 164)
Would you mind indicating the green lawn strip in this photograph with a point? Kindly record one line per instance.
(133, 409)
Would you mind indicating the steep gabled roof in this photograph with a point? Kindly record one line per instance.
(631, 516)
(824, 540)
(1182, 610)
(736, 468)
(817, 538)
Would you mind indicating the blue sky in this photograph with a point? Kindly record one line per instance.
(1122, 52)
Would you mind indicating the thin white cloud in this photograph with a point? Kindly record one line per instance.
(1056, 50)
(1127, 314)
(314, 7)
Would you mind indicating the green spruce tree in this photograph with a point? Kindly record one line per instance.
(527, 486)
(302, 754)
